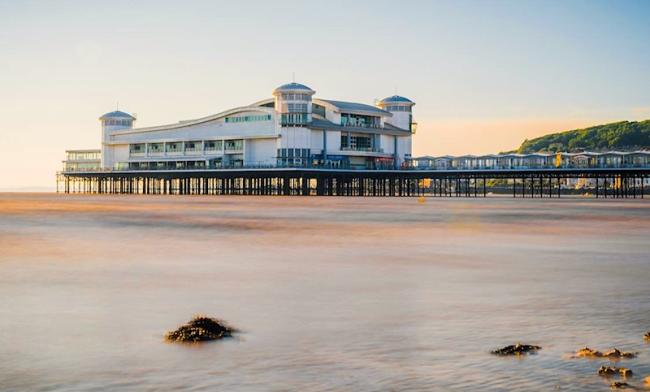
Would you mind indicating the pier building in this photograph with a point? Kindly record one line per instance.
(295, 143)
(293, 128)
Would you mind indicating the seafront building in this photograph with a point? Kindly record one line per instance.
(294, 128)
(295, 143)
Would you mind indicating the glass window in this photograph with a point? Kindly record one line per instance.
(237, 144)
(155, 147)
(136, 148)
(173, 147)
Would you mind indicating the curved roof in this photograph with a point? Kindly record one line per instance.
(396, 98)
(117, 114)
(293, 86)
(356, 107)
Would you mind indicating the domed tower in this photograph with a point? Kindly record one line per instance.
(111, 122)
(401, 108)
(293, 102)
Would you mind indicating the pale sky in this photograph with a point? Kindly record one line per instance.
(485, 74)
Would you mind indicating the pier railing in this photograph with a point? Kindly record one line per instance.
(365, 168)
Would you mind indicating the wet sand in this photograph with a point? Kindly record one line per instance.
(330, 293)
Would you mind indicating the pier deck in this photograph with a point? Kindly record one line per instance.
(608, 182)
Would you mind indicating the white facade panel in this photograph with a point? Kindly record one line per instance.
(260, 151)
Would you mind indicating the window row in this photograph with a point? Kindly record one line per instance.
(297, 108)
(112, 122)
(294, 153)
(361, 143)
(295, 119)
(83, 155)
(358, 120)
(189, 146)
(296, 97)
(238, 119)
(400, 108)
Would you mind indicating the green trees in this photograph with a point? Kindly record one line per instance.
(624, 135)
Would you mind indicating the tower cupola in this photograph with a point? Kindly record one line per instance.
(293, 102)
(116, 120)
(402, 110)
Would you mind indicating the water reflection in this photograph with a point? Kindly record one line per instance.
(332, 294)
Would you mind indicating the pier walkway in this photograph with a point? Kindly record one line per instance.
(622, 182)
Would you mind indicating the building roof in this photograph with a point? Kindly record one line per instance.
(396, 99)
(293, 86)
(356, 107)
(117, 114)
(388, 129)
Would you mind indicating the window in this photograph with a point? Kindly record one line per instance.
(173, 147)
(236, 145)
(192, 146)
(318, 109)
(156, 147)
(136, 148)
(213, 145)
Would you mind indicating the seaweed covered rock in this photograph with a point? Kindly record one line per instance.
(647, 336)
(587, 352)
(619, 385)
(516, 349)
(613, 371)
(616, 353)
(200, 329)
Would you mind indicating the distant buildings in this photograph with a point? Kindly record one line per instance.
(580, 160)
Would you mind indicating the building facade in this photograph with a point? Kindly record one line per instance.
(292, 129)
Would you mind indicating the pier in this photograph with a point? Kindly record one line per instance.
(522, 183)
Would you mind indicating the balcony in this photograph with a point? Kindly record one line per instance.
(363, 149)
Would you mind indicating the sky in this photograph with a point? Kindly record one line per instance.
(485, 75)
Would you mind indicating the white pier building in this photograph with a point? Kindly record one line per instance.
(292, 129)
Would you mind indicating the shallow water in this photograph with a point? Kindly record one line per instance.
(331, 293)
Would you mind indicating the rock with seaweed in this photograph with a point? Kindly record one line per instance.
(609, 371)
(647, 336)
(614, 353)
(200, 329)
(620, 385)
(516, 349)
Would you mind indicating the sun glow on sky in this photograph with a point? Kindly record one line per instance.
(484, 75)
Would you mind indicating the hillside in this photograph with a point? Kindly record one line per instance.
(624, 136)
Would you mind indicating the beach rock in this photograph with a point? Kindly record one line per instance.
(646, 336)
(517, 349)
(200, 329)
(616, 353)
(587, 352)
(613, 371)
(620, 385)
